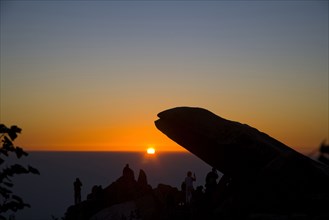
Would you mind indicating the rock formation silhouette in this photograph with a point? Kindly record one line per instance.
(266, 175)
(125, 198)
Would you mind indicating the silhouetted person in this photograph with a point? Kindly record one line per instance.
(198, 194)
(324, 153)
(324, 148)
(128, 173)
(189, 186)
(182, 196)
(96, 193)
(77, 191)
(198, 203)
(183, 186)
(211, 181)
(224, 188)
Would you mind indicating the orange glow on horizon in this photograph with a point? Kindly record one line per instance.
(134, 134)
(130, 137)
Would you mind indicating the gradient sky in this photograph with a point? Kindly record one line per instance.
(92, 75)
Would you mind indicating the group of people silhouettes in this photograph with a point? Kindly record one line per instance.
(187, 185)
(188, 188)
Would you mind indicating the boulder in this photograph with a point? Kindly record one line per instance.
(267, 175)
(142, 178)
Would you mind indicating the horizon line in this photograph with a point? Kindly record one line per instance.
(109, 151)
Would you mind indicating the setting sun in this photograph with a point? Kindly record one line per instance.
(150, 150)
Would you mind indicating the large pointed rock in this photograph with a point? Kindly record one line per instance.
(267, 174)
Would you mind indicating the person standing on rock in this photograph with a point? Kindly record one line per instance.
(189, 186)
(77, 191)
(211, 181)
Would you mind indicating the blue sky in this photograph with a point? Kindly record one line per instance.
(112, 66)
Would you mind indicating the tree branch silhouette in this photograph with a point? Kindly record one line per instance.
(8, 199)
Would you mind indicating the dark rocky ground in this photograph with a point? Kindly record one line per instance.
(128, 198)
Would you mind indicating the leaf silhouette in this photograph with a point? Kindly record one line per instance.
(17, 198)
(5, 192)
(8, 200)
(13, 132)
(33, 170)
(18, 169)
(3, 129)
(8, 184)
(7, 145)
(20, 152)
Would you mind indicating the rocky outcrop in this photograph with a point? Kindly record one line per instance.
(267, 176)
(125, 198)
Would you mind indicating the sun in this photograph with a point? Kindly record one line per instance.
(150, 150)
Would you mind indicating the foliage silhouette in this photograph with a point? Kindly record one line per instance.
(8, 199)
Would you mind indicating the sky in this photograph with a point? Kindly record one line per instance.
(92, 75)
